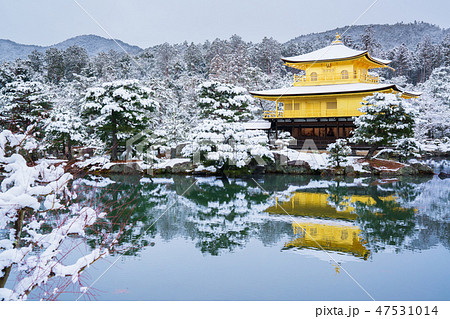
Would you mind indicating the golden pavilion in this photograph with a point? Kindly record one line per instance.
(324, 98)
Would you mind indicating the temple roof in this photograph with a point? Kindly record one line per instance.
(335, 51)
(332, 89)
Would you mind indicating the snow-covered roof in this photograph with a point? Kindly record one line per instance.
(257, 125)
(335, 51)
(331, 89)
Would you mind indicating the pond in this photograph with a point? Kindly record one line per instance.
(272, 237)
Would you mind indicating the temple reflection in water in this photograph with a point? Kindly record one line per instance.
(320, 223)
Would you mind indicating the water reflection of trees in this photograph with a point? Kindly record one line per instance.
(391, 218)
(226, 213)
(126, 202)
(221, 215)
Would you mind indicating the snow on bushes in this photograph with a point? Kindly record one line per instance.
(338, 151)
(227, 145)
(30, 197)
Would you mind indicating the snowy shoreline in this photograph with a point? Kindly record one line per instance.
(285, 162)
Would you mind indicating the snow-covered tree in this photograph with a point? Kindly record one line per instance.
(118, 110)
(267, 55)
(406, 148)
(25, 104)
(338, 151)
(227, 145)
(37, 216)
(402, 60)
(54, 64)
(434, 106)
(369, 42)
(63, 129)
(224, 101)
(386, 119)
(75, 61)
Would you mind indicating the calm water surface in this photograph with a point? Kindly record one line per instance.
(288, 238)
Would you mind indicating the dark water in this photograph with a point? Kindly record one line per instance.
(272, 238)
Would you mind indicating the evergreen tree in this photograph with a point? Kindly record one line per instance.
(434, 106)
(118, 110)
(369, 42)
(386, 119)
(75, 61)
(219, 139)
(25, 104)
(267, 55)
(36, 59)
(224, 101)
(54, 61)
(338, 151)
(401, 60)
(445, 50)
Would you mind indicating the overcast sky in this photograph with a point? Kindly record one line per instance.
(149, 22)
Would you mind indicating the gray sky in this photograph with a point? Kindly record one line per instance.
(149, 22)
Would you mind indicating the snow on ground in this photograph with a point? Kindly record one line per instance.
(171, 162)
(320, 160)
(315, 160)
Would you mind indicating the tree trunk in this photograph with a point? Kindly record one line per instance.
(114, 137)
(372, 150)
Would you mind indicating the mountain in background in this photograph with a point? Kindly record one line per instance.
(388, 35)
(93, 44)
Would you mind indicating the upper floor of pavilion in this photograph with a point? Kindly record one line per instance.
(335, 64)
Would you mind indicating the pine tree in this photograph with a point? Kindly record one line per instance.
(220, 139)
(267, 55)
(26, 105)
(386, 119)
(369, 42)
(401, 60)
(75, 61)
(118, 110)
(224, 101)
(54, 61)
(338, 151)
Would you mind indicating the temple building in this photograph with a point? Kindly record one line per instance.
(326, 95)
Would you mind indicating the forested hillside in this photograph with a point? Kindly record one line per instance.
(50, 87)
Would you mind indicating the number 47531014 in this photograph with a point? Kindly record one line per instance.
(407, 310)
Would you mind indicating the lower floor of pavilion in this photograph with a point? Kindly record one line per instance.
(322, 131)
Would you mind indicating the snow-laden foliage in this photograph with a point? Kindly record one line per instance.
(224, 101)
(338, 151)
(406, 148)
(220, 139)
(24, 104)
(386, 119)
(434, 106)
(29, 198)
(227, 145)
(119, 110)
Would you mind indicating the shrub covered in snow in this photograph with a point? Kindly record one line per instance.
(36, 216)
(227, 145)
(386, 119)
(338, 151)
(407, 148)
